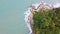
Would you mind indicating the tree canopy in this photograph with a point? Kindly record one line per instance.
(47, 22)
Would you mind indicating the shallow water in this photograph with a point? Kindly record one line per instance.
(12, 17)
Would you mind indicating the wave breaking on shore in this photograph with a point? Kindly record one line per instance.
(36, 7)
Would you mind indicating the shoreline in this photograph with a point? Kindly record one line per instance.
(28, 13)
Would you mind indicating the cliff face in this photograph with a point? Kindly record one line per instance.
(42, 19)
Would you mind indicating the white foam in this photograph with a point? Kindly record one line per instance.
(27, 13)
(36, 5)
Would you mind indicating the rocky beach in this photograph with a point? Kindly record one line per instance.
(36, 7)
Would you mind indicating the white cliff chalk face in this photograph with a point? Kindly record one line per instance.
(36, 7)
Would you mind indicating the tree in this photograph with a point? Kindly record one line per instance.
(47, 22)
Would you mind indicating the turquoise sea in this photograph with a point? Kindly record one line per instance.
(12, 15)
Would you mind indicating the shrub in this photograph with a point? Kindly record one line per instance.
(47, 22)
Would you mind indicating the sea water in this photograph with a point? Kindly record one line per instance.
(12, 15)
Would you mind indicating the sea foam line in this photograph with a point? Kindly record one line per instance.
(28, 12)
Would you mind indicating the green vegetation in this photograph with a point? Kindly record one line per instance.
(47, 22)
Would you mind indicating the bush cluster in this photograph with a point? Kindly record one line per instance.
(47, 22)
